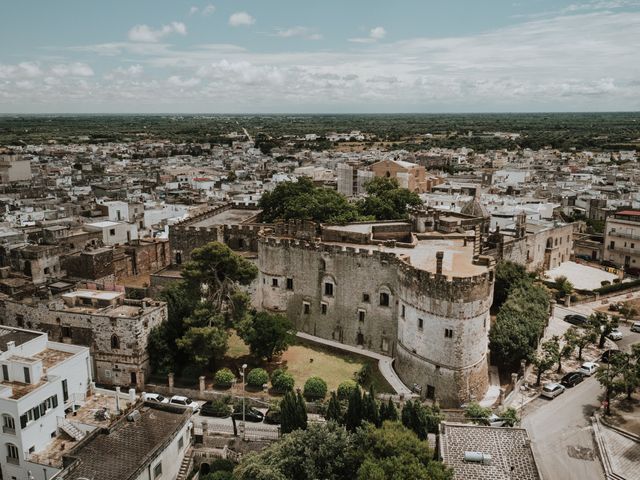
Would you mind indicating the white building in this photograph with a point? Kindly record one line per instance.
(40, 379)
(14, 168)
(114, 233)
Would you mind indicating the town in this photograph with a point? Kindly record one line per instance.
(192, 306)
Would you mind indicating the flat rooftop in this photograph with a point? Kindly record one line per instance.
(129, 445)
(17, 336)
(227, 217)
(510, 450)
(362, 227)
(457, 260)
(98, 294)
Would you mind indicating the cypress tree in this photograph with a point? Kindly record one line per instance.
(334, 412)
(390, 411)
(370, 408)
(302, 411)
(288, 413)
(353, 418)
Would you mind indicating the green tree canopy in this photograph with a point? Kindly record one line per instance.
(302, 200)
(267, 334)
(386, 200)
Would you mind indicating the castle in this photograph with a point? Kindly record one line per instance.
(417, 290)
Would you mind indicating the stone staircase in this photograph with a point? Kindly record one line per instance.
(70, 429)
(186, 465)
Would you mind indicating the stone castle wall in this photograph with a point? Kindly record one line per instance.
(436, 327)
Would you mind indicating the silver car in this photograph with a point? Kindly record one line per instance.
(635, 327)
(552, 390)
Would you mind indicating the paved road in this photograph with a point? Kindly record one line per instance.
(561, 434)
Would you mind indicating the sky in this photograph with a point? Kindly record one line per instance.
(327, 56)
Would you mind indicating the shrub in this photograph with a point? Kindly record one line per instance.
(224, 378)
(283, 382)
(345, 388)
(273, 415)
(219, 475)
(315, 388)
(219, 408)
(257, 377)
(221, 464)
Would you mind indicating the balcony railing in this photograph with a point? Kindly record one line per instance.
(9, 430)
(13, 461)
(631, 236)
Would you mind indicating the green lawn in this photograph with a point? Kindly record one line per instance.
(306, 359)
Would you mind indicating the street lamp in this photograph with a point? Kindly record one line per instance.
(244, 426)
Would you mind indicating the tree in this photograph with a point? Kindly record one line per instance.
(302, 200)
(268, 334)
(420, 418)
(543, 362)
(395, 452)
(389, 412)
(611, 379)
(293, 413)
(603, 325)
(478, 414)
(510, 417)
(204, 345)
(386, 200)
(319, 452)
(555, 351)
(344, 389)
(628, 311)
(353, 417)
(215, 271)
(508, 275)
(580, 338)
(563, 286)
(334, 410)
(370, 409)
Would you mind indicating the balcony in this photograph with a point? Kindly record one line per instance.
(631, 251)
(630, 236)
(13, 461)
(9, 430)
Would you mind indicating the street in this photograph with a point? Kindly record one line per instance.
(561, 435)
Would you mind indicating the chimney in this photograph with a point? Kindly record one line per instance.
(117, 400)
(439, 257)
(132, 396)
(11, 345)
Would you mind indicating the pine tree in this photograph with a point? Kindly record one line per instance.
(353, 418)
(334, 412)
(288, 413)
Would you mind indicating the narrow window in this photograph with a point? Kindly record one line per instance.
(274, 282)
(27, 375)
(328, 289)
(323, 308)
(366, 298)
(115, 342)
(403, 311)
(420, 324)
(289, 283)
(384, 299)
(307, 308)
(157, 470)
(361, 314)
(448, 333)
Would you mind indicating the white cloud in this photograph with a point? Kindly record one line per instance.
(377, 33)
(193, 10)
(298, 31)
(177, 81)
(21, 70)
(72, 70)
(241, 19)
(144, 33)
(208, 10)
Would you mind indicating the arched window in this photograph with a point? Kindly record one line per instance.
(384, 299)
(115, 342)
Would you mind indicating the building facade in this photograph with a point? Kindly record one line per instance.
(622, 239)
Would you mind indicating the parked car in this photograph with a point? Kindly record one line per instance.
(572, 379)
(635, 327)
(608, 263)
(154, 397)
(251, 415)
(615, 335)
(588, 368)
(552, 390)
(634, 271)
(576, 319)
(186, 402)
(272, 416)
(607, 355)
(584, 257)
(615, 307)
